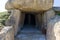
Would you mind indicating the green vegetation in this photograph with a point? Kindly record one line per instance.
(59, 14)
(3, 17)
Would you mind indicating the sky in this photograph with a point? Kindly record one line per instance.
(3, 2)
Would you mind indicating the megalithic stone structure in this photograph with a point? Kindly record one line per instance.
(30, 5)
(42, 9)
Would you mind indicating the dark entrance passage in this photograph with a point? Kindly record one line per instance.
(29, 30)
(29, 24)
(29, 19)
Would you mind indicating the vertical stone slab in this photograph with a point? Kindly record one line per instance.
(47, 16)
(16, 14)
(53, 29)
(15, 19)
(21, 20)
(38, 20)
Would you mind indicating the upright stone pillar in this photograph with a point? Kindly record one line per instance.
(38, 20)
(21, 20)
(16, 16)
(47, 16)
(14, 20)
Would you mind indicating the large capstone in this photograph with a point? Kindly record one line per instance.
(29, 5)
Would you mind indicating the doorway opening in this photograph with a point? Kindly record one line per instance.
(29, 31)
(29, 24)
(29, 19)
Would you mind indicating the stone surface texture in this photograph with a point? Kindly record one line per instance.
(38, 20)
(29, 5)
(7, 33)
(47, 16)
(16, 19)
(53, 28)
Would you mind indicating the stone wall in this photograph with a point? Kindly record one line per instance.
(53, 28)
(7, 33)
(38, 20)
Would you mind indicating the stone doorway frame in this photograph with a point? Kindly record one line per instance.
(17, 15)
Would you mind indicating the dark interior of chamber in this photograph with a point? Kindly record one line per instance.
(29, 19)
(30, 25)
(30, 29)
(29, 22)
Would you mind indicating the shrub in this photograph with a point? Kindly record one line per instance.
(58, 13)
(3, 17)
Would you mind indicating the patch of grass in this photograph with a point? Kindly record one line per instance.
(59, 14)
(3, 17)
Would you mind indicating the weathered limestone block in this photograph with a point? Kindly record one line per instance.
(7, 33)
(16, 19)
(15, 16)
(38, 20)
(29, 5)
(19, 20)
(53, 29)
(47, 16)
